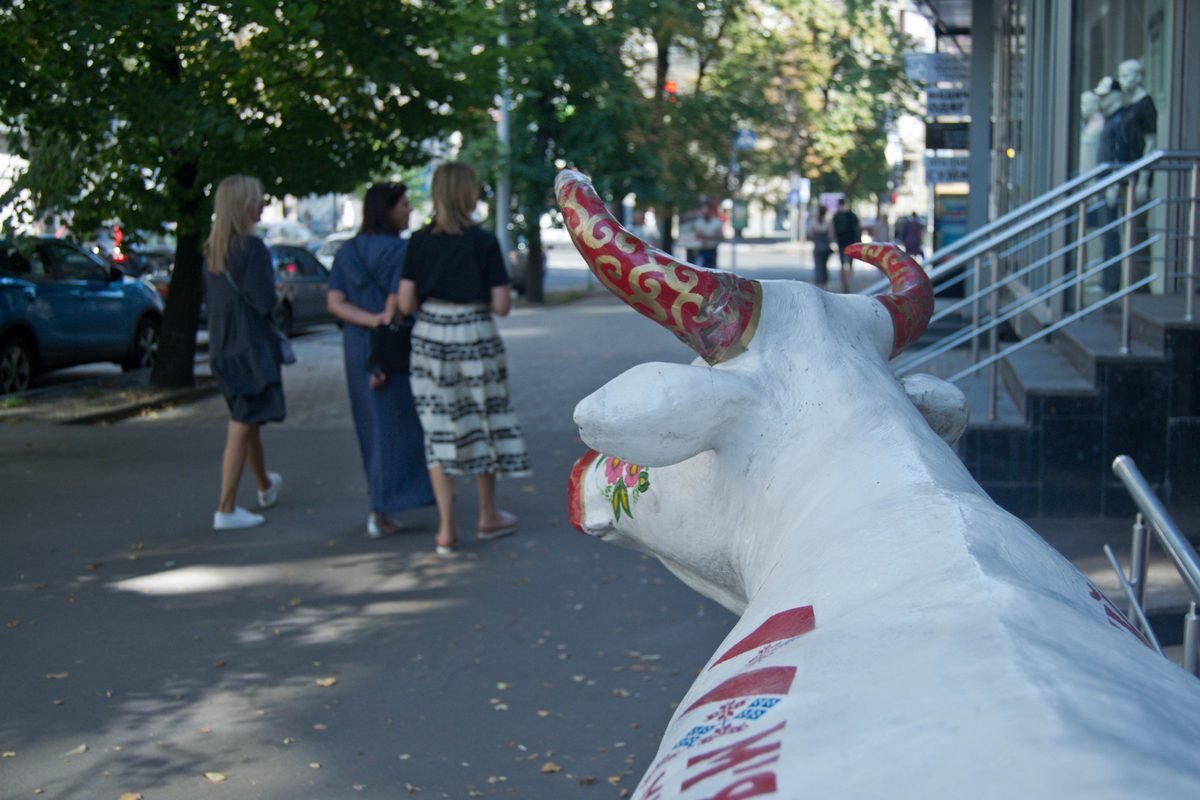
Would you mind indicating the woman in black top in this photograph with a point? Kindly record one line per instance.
(244, 351)
(454, 280)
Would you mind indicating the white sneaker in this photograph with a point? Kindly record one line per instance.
(380, 526)
(270, 496)
(238, 518)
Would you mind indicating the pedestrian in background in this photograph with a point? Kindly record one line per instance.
(820, 233)
(912, 234)
(244, 351)
(362, 294)
(848, 231)
(709, 231)
(459, 372)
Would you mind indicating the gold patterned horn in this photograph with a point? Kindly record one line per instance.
(910, 303)
(713, 312)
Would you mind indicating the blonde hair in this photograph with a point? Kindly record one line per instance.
(238, 199)
(455, 189)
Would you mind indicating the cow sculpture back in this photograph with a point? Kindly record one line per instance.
(900, 635)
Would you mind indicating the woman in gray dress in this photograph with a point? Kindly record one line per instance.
(361, 293)
(244, 352)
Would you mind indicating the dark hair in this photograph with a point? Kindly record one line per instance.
(377, 208)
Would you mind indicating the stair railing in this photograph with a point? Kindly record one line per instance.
(1054, 228)
(1180, 552)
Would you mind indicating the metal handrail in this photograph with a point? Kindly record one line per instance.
(1058, 286)
(1029, 289)
(1002, 222)
(1010, 231)
(1174, 544)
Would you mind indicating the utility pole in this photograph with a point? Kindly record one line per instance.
(503, 190)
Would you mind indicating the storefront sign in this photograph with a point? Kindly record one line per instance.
(947, 135)
(942, 169)
(947, 102)
(934, 68)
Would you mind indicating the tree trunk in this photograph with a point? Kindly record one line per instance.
(665, 217)
(535, 270)
(175, 365)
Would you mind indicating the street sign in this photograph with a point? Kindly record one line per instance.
(745, 140)
(932, 68)
(947, 135)
(947, 102)
(800, 191)
(946, 169)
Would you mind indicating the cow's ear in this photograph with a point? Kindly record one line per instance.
(659, 414)
(941, 403)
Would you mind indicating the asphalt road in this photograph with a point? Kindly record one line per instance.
(139, 650)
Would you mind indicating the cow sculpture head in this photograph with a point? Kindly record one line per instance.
(789, 421)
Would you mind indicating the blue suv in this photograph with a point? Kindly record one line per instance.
(61, 306)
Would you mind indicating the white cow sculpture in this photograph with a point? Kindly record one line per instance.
(900, 634)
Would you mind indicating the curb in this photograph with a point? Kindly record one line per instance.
(169, 398)
(102, 402)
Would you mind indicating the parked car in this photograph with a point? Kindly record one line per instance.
(301, 282)
(286, 232)
(61, 306)
(331, 244)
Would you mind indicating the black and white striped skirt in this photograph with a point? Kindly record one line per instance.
(460, 385)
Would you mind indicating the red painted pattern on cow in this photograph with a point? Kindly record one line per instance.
(768, 680)
(575, 489)
(1114, 615)
(713, 312)
(910, 303)
(735, 755)
(784, 625)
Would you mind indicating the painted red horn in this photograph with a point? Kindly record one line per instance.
(713, 312)
(910, 303)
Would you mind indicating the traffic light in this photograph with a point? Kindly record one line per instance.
(670, 87)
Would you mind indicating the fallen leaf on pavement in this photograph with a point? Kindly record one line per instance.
(549, 767)
(543, 713)
(314, 765)
(131, 796)
(214, 777)
(502, 686)
(614, 779)
(56, 676)
(9, 754)
(76, 751)
(326, 682)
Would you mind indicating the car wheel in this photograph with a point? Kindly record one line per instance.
(144, 348)
(283, 318)
(16, 365)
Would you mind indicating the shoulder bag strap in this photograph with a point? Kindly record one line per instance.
(421, 293)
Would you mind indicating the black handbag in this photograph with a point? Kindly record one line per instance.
(391, 345)
(391, 348)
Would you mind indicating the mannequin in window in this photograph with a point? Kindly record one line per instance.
(1137, 130)
(1110, 102)
(1092, 122)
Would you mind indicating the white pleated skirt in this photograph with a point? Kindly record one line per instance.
(460, 385)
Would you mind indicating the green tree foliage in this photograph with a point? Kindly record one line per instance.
(573, 102)
(133, 110)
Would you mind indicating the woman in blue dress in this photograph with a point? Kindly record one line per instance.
(362, 293)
